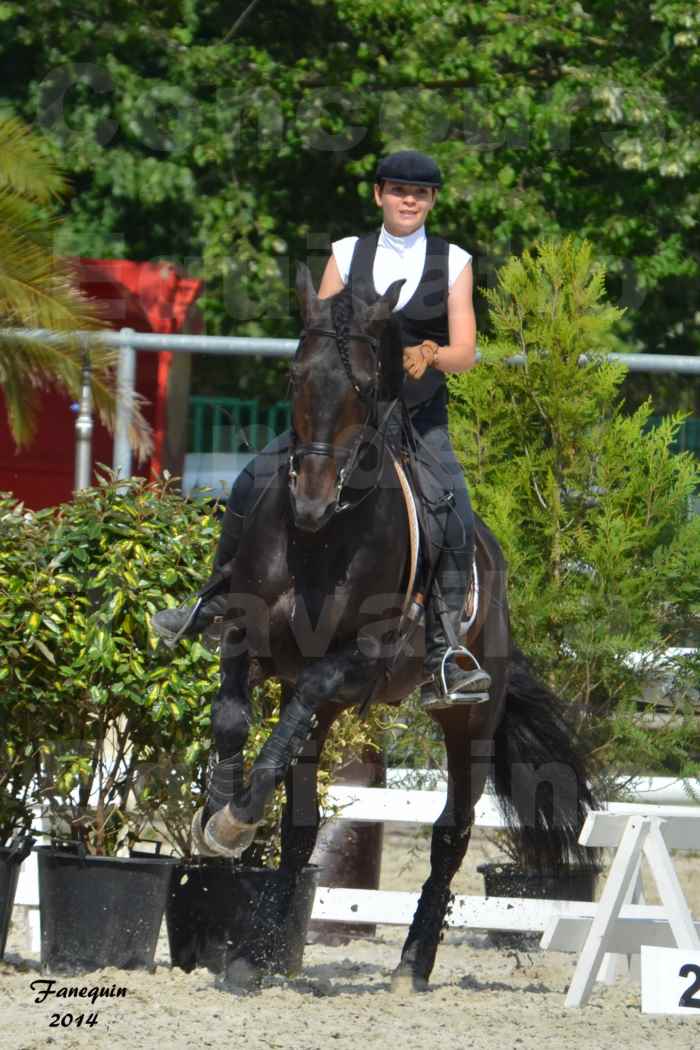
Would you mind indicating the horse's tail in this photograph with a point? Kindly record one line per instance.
(540, 774)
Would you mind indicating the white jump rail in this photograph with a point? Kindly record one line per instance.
(423, 807)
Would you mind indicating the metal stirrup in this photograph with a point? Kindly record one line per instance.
(468, 697)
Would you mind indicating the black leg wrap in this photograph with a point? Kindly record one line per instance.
(276, 756)
(225, 781)
(287, 741)
(426, 929)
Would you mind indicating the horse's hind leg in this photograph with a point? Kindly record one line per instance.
(449, 843)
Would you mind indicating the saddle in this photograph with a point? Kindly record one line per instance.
(418, 569)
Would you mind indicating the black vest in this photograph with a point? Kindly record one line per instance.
(425, 314)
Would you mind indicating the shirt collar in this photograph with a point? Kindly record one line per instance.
(400, 245)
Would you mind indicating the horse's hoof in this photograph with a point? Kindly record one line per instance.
(226, 836)
(405, 983)
(199, 845)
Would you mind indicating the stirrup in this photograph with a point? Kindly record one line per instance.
(443, 696)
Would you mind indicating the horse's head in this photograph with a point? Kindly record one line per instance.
(337, 379)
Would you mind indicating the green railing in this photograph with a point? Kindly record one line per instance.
(231, 424)
(688, 436)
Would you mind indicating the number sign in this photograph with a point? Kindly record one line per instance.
(671, 981)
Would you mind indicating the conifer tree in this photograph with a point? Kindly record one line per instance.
(591, 507)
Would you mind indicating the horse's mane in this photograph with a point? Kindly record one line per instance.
(342, 314)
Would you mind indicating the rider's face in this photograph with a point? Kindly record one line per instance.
(405, 205)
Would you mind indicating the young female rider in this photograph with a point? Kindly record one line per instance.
(438, 334)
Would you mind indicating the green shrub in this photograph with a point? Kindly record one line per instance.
(102, 700)
(21, 729)
(590, 506)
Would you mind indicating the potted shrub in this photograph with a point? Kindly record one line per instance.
(591, 507)
(20, 731)
(110, 702)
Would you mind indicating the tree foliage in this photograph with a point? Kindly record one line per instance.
(235, 146)
(590, 505)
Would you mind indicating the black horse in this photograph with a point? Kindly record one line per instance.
(318, 592)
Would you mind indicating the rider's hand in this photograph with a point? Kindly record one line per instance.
(417, 358)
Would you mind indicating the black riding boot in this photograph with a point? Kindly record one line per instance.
(451, 682)
(188, 621)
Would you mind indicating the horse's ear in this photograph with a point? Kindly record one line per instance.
(363, 290)
(391, 295)
(306, 293)
(381, 310)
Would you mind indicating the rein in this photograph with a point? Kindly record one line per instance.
(326, 448)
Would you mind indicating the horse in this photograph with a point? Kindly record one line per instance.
(323, 557)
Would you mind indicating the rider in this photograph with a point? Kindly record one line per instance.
(438, 334)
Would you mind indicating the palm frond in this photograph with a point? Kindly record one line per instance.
(36, 290)
(28, 365)
(21, 397)
(25, 166)
(39, 292)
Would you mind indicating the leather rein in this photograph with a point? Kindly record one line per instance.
(369, 396)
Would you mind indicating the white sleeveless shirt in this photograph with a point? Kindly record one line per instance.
(397, 258)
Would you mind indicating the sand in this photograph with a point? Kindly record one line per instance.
(480, 997)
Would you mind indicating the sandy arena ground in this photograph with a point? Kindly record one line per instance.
(480, 998)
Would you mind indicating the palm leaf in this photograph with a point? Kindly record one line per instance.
(29, 365)
(38, 292)
(25, 167)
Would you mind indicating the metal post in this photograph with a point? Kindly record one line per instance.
(83, 429)
(126, 373)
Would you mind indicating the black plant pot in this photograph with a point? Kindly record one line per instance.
(567, 883)
(237, 921)
(11, 858)
(100, 911)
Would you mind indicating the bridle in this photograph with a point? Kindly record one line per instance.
(368, 395)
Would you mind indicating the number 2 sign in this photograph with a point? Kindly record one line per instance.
(671, 981)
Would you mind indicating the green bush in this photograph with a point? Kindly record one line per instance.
(20, 728)
(103, 726)
(102, 700)
(591, 508)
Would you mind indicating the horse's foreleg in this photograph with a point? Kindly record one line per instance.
(318, 683)
(300, 816)
(449, 843)
(230, 721)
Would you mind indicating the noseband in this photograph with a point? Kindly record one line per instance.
(368, 396)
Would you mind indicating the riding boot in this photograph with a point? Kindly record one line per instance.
(450, 681)
(211, 602)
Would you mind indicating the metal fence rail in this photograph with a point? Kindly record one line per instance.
(127, 342)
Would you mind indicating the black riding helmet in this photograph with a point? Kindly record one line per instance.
(409, 165)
